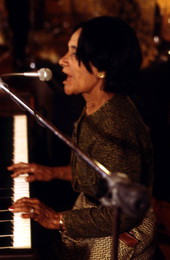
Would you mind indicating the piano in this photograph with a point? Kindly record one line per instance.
(15, 232)
(41, 149)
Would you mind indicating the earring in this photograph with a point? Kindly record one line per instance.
(101, 75)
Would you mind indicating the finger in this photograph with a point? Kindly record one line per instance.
(27, 215)
(17, 165)
(19, 172)
(20, 208)
(25, 212)
(28, 178)
(22, 205)
(26, 206)
(22, 202)
(30, 213)
(31, 178)
(30, 202)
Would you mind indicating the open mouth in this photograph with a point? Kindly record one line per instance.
(67, 78)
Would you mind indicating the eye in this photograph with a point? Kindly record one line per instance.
(74, 55)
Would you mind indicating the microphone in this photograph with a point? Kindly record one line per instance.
(44, 74)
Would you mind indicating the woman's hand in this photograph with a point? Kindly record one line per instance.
(36, 171)
(38, 211)
(39, 172)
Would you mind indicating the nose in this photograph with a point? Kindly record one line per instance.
(63, 60)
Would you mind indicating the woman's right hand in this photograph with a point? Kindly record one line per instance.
(36, 172)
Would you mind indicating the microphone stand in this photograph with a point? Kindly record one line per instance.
(132, 199)
(29, 74)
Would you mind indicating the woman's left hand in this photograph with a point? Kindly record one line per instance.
(36, 210)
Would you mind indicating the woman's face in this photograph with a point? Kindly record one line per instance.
(79, 80)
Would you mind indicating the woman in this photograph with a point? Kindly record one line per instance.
(102, 64)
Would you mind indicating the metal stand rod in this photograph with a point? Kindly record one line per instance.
(115, 232)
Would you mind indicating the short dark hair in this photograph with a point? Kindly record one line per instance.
(111, 45)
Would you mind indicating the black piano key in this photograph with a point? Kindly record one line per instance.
(5, 203)
(6, 241)
(5, 174)
(6, 215)
(6, 183)
(5, 163)
(6, 192)
(6, 140)
(6, 228)
(4, 170)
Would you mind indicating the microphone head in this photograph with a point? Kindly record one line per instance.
(45, 74)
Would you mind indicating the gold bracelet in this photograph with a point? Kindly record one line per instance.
(61, 224)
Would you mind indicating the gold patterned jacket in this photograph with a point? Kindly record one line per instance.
(115, 136)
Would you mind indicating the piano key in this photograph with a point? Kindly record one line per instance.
(5, 203)
(6, 227)
(4, 173)
(6, 215)
(5, 177)
(6, 192)
(5, 183)
(6, 143)
(4, 170)
(6, 241)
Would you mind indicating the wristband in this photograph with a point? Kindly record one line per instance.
(61, 224)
